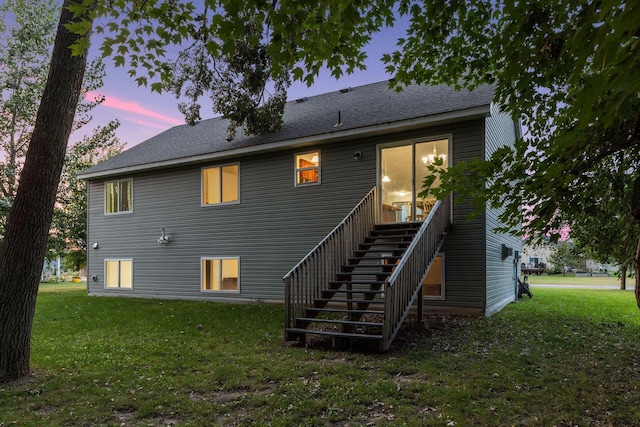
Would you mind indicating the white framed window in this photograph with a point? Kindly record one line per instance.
(220, 274)
(118, 196)
(433, 284)
(221, 185)
(118, 273)
(307, 168)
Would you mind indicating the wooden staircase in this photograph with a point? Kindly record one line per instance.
(351, 306)
(361, 280)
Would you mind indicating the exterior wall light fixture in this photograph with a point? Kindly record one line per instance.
(164, 239)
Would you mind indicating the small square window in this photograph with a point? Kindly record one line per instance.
(220, 274)
(118, 273)
(118, 196)
(220, 184)
(307, 168)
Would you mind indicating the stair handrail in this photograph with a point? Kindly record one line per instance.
(304, 282)
(402, 287)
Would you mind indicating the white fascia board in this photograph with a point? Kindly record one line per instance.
(382, 129)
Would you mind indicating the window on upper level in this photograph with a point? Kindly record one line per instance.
(307, 168)
(118, 196)
(221, 184)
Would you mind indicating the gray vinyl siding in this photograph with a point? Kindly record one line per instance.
(464, 245)
(271, 229)
(501, 274)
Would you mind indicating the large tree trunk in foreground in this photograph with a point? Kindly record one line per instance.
(637, 267)
(25, 244)
(635, 211)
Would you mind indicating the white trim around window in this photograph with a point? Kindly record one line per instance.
(220, 274)
(220, 185)
(118, 197)
(307, 168)
(118, 273)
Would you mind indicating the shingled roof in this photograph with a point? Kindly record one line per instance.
(363, 110)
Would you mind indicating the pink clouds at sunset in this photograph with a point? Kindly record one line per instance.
(137, 109)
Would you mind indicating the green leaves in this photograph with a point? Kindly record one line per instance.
(212, 37)
(568, 70)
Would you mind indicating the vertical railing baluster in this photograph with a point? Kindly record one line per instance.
(403, 284)
(304, 283)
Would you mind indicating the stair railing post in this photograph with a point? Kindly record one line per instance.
(287, 304)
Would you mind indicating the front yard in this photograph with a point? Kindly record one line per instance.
(566, 357)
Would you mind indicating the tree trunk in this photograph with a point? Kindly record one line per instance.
(635, 211)
(636, 262)
(25, 244)
(623, 277)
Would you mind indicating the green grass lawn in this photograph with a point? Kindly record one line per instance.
(62, 287)
(564, 358)
(569, 279)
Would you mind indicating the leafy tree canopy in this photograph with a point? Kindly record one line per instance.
(568, 69)
(242, 54)
(69, 225)
(25, 49)
(563, 257)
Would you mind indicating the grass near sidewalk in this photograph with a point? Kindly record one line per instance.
(565, 357)
(569, 279)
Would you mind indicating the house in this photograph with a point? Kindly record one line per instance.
(193, 214)
(535, 257)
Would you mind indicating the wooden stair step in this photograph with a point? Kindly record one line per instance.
(355, 261)
(356, 282)
(339, 322)
(334, 334)
(408, 236)
(407, 228)
(353, 301)
(384, 268)
(366, 273)
(354, 291)
(399, 225)
(389, 243)
(343, 310)
(379, 250)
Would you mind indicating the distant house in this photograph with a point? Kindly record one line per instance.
(192, 214)
(535, 258)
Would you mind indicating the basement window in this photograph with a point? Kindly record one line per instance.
(118, 273)
(433, 284)
(220, 274)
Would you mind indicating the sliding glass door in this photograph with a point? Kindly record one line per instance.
(403, 169)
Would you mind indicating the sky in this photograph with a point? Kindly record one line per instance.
(143, 114)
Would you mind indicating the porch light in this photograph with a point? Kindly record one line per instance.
(164, 239)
